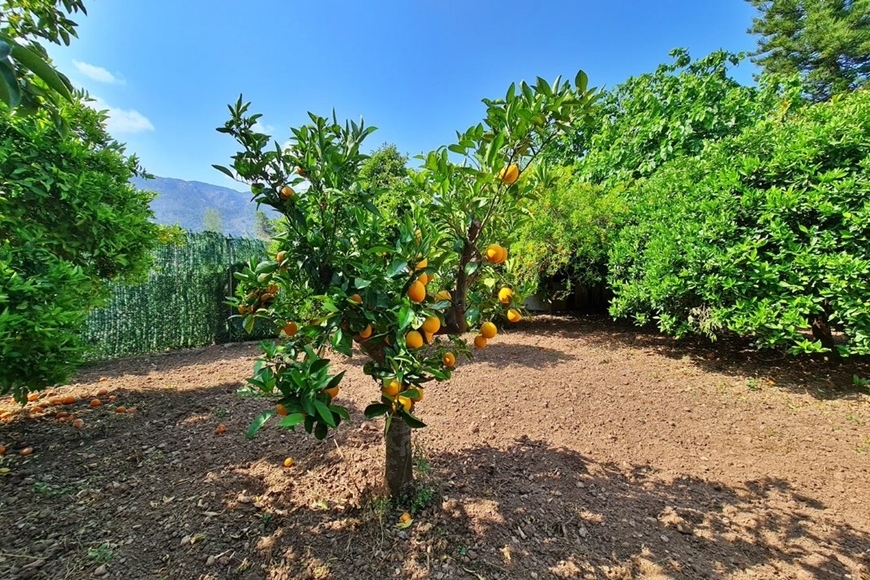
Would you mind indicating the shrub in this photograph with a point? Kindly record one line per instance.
(761, 235)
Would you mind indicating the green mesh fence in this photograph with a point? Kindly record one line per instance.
(180, 305)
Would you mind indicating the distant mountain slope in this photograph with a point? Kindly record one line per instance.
(186, 202)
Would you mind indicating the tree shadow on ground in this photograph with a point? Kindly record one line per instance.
(588, 519)
(501, 355)
(821, 378)
(165, 496)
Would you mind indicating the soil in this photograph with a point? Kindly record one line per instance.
(569, 448)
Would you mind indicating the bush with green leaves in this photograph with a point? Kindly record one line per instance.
(762, 235)
(69, 222)
(568, 231)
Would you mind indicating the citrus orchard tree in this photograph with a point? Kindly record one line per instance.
(405, 290)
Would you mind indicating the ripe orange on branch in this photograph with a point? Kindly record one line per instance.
(513, 315)
(291, 328)
(287, 192)
(414, 339)
(479, 341)
(505, 295)
(449, 359)
(417, 291)
(488, 330)
(392, 389)
(432, 324)
(509, 174)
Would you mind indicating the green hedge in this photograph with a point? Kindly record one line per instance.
(182, 303)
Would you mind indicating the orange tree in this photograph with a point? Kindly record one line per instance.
(405, 289)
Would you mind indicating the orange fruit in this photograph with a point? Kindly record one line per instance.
(423, 278)
(131, 410)
(356, 298)
(287, 192)
(407, 403)
(72, 400)
(333, 392)
(100, 393)
(78, 423)
(120, 409)
(405, 518)
(26, 451)
(444, 295)
(509, 174)
(392, 389)
(432, 324)
(413, 339)
(488, 330)
(514, 315)
(366, 332)
(505, 295)
(55, 400)
(290, 328)
(418, 396)
(423, 264)
(417, 291)
(279, 257)
(32, 396)
(281, 410)
(300, 172)
(37, 410)
(449, 359)
(220, 429)
(479, 341)
(112, 398)
(428, 336)
(61, 415)
(288, 462)
(493, 253)
(2, 450)
(504, 255)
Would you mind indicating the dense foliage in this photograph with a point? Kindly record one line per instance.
(69, 221)
(826, 42)
(763, 234)
(639, 125)
(27, 77)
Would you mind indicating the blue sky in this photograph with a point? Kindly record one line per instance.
(416, 69)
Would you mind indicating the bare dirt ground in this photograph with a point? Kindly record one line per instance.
(569, 448)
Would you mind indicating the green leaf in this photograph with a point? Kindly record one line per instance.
(359, 283)
(376, 410)
(324, 412)
(318, 365)
(258, 423)
(340, 411)
(581, 81)
(35, 64)
(292, 420)
(396, 268)
(10, 93)
(471, 268)
(321, 431)
(406, 317)
(412, 421)
(335, 380)
(224, 170)
(248, 323)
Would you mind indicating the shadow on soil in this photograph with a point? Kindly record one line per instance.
(819, 377)
(160, 495)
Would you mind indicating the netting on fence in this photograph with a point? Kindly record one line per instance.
(180, 305)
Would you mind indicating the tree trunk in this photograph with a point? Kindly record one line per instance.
(398, 473)
(822, 330)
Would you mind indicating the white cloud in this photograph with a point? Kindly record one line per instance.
(97, 73)
(263, 128)
(123, 121)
